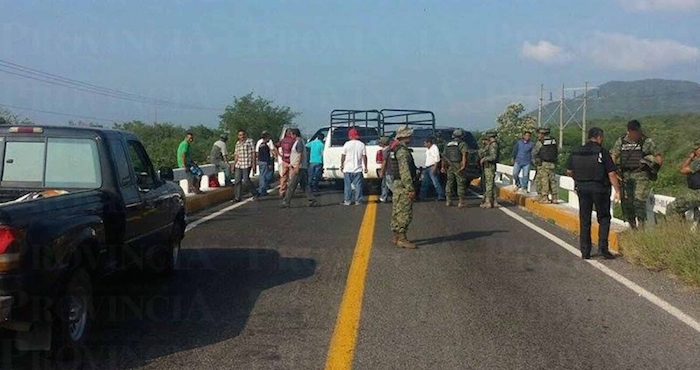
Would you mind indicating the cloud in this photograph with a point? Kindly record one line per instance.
(629, 53)
(660, 5)
(545, 52)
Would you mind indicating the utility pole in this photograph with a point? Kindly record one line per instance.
(583, 123)
(155, 108)
(539, 106)
(561, 118)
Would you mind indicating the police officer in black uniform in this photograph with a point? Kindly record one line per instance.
(593, 169)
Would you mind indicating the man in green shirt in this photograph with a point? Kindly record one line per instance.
(690, 168)
(184, 160)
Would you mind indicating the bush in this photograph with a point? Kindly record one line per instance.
(667, 246)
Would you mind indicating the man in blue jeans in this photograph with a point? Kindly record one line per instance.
(315, 147)
(522, 158)
(266, 162)
(430, 171)
(353, 163)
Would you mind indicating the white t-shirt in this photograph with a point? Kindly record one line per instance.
(353, 150)
(432, 156)
(299, 154)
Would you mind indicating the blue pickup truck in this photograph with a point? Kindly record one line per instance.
(78, 204)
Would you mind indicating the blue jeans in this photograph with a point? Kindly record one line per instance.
(430, 176)
(523, 181)
(354, 179)
(387, 184)
(315, 174)
(264, 173)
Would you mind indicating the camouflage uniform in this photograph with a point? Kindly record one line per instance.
(402, 204)
(490, 161)
(636, 184)
(483, 152)
(545, 177)
(455, 174)
(687, 201)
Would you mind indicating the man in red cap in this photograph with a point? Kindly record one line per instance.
(353, 162)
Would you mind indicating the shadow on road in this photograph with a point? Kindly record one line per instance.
(209, 300)
(468, 235)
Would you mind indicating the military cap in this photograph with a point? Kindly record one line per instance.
(223, 137)
(383, 140)
(543, 130)
(404, 131)
(457, 133)
(491, 133)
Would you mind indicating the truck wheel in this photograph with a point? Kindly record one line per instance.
(73, 317)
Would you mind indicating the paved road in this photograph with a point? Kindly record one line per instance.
(261, 288)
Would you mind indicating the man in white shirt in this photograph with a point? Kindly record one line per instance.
(353, 162)
(219, 157)
(431, 171)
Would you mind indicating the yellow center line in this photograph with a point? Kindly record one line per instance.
(342, 348)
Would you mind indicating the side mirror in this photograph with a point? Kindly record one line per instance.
(166, 174)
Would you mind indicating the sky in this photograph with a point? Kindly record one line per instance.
(464, 60)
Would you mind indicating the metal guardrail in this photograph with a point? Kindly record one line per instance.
(655, 203)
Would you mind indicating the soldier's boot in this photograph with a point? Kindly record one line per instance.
(543, 199)
(448, 202)
(495, 204)
(484, 204)
(555, 199)
(462, 203)
(394, 238)
(403, 242)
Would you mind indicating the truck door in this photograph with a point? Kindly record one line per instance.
(154, 226)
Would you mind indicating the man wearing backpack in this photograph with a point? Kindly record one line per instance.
(638, 159)
(544, 155)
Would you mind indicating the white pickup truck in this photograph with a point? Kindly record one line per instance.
(371, 125)
(367, 123)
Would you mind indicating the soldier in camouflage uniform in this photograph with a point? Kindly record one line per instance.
(544, 156)
(488, 162)
(637, 158)
(690, 168)
(454, 165)
(404, 172)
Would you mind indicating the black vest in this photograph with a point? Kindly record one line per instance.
(694, 180)
(549, 151)
(395, 171)
(452, 152)
(587, 165)
(264, 153)
(630, 154)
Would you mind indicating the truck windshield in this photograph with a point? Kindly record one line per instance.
(53, 163)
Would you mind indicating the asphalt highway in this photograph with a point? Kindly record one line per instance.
(313, 288)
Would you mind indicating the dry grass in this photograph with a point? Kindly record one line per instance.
(667, 246)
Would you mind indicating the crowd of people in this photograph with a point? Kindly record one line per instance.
(629, 167)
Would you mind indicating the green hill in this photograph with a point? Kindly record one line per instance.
(632, 99)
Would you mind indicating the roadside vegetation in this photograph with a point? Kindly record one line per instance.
(668, 246)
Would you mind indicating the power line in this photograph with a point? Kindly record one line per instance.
(45, 77)
(58, 113)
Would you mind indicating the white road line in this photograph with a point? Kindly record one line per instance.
(220, 212)
(651, 297)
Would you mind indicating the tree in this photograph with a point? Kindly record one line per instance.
(255, 114)
(511, 126)
(9, 118)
